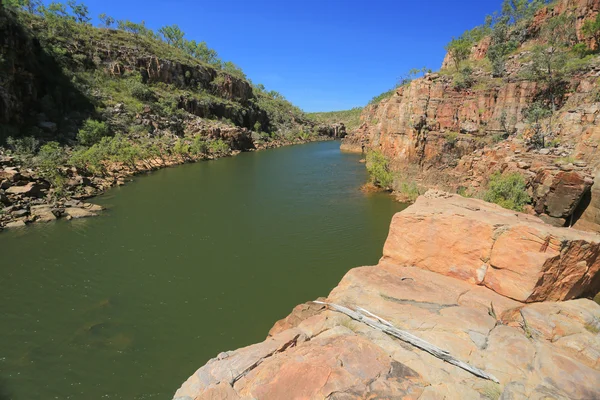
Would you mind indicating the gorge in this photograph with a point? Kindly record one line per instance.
(206, 242)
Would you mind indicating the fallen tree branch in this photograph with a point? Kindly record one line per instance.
(384, 326)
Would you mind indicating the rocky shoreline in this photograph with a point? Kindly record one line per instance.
(26, 197)
(500, 290)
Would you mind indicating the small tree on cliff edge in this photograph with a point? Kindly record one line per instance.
(459, 50)
(591, 28)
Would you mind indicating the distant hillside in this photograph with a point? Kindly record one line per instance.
(350, 118)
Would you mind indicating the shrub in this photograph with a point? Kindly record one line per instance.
(50, 158)
(465, 79)
(199, 146)
(508, 191)
(218, 147)
(24, 146)
(91, 132)
(181, 148)
(378, 168)
(451, 138)
(140, 91)
(409, 190)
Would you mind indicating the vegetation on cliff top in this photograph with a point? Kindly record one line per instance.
(350, 118)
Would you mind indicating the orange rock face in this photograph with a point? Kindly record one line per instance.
(515, 255)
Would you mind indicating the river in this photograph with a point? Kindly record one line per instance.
(185, 263)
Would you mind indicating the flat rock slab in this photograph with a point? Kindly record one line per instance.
(76, 212)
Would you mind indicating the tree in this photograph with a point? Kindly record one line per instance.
(135, 28)
(173, 35)
(459, 50)
(201, 51)
(534, 115)
(106, 20)
(80, 11)
(92, 132)
(591, 28)
(517, 10)
(501, 45)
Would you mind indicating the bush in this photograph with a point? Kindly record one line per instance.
(89, 159)
(465, 80)
(24, 146)
(451, 138)
(50, 158)
(199, 146)
(91, 132)
(181, 148)
(140, 91)
(508, 191)
(409, 190)
(378, 168)
(219, 147)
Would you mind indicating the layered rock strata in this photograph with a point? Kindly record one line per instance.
(450, 137)
(430, 282)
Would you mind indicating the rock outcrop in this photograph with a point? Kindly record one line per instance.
(464, 275)
(449, 137)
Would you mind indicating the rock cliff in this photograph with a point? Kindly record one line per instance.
(446, 136)
(470, 277)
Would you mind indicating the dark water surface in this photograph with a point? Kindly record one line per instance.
(187, 262)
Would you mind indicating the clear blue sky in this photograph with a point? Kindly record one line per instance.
(322, 55)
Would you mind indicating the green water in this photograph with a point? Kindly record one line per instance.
(187, 262)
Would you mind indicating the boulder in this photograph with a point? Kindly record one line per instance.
(43, 213)
(77, 212)
(15, 224)
(10, 174)
(514, 254)
(31, 189)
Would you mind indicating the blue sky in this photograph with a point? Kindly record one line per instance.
(322, 55)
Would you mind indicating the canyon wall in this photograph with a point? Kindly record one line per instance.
(454, 138)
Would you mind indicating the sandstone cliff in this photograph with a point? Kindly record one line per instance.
(470, 277)
(450, 137)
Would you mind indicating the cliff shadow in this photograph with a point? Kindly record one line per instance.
(37, 98)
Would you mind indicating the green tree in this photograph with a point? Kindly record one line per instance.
(591, 28)
(107, 21)
(219, 147)
(517, 10)
(173, 35)
(534, 115)
(459, 50)
(501, 45)
(80, 12)
(135, 28)
(92, 132)
(201, 51)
